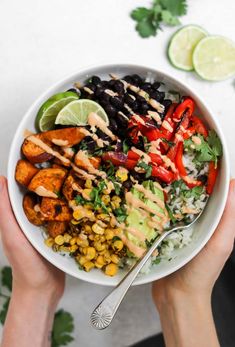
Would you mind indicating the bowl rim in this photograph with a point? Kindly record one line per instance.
(108, 66)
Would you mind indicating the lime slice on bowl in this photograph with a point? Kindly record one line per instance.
(76, 112)
(49, 110)
(214, 58)
(182, 44)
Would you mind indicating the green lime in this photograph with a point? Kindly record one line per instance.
(182, 44)
(214, 58)
(49, 110)
(76, 112)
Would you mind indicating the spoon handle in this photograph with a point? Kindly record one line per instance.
(103, 314)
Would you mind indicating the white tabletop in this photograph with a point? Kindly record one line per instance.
(43, 41)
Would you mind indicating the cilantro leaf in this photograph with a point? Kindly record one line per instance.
(215, 143)
(156, 261)
(169, 19)
(140, 13)
(173, 219)
(146, 167)
(7, 278)
(175, 7)
(121, 214)
(125, 146)
(63, 326)
(146, 27)
(3, 312)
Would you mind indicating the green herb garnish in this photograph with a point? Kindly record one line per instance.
(146, 167)
(125, 146)
(121, 214)
(149, 20)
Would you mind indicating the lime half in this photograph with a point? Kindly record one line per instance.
(214, 58)
(48, 112)
(182, 44)
(77, 112)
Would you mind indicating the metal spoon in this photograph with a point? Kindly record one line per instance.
(104, 313)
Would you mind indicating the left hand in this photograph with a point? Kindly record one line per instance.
(31, 272)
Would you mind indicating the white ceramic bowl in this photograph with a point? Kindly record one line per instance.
(203, 229)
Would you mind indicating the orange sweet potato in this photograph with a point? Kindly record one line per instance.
(95, 162)
(34, 153)
(48, 182)
(29, 202)
(55, 210)
(24, 172)
(67, 189)
(56, 228)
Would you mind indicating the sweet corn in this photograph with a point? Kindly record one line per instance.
(97, 229)
(100, 260)
(88, 207)
(111, 269)
(122, 174)
(82, 243)
(110, 187)
(102, 238)
(105, 199)
(49, 241)
(59, 240)
(73, 241)
(118, 245)
(115, 203)
(103, 217)
(87, 229)
(78, 214)
(81, 259)
(74, 222)
(88, 183)
(91, 237)
(99, 246)
(64, 249)
(86, 193)
(99, 266)
(109, 234)
(73, 248)
(67, 238)
(107, 256)
(115, 258)
(91, 253)
(101, 224)
(88, 266)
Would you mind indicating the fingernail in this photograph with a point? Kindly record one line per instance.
(1, 183)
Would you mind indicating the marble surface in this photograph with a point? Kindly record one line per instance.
(43, 41)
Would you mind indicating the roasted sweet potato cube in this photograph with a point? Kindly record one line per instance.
(34, 153)
(95, 162)
(68, 187)
(56, 228)
(47, 182)
(67, 137)
(55, 210)
(29, 203)
(24, 172)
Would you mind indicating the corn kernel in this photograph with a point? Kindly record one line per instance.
(88, 206)
(115, 258)
(49, 241)
(115, 203)
(73, 248)
(81, 259)
(86, 193)
(82, 243)
(64, 249)
(111, 269)
(97, 229)
(100, 260)
(109, 234)
(91, 237)
(78, 214)
(99, 246)
(88, 266)
(105, 199)
(91, 253)
(103, 217)
(118, 245)
(99, 266)
(74, 222)
(87, 229)
(101, 224)
(122, 174)
(59, 240)
(110, 187)
(73, 241)
(88, 183)
(102, 238)
(67, 238)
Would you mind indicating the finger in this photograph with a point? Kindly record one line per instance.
(8, 225)
(225, 232)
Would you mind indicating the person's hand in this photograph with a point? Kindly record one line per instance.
(31, 273)
(197, 278)
(183, 298)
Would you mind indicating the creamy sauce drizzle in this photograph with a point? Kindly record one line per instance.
(81, 155)
(167, 126)
(155, 116)
(145, 156)
(42, 191)
(27, 133)
(165, 158)
(149, 195)
(59, 142)
(196, 140)
(95, 121)
(82, 173)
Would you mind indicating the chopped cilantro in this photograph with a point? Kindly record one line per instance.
(63, 326)
(173, 219)
(146, 167)
(121, 214)
(169, 143)
(80, 200)
(156, 261)
(125, 146)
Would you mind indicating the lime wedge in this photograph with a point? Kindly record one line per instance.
(214, 58)
(48, 112)
(182, 45)
(76, 112)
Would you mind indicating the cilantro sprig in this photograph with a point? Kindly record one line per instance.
(207, 150)
(63, 324)
(149, 20)
(148, 168)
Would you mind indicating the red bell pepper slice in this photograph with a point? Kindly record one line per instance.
(197, 127)
(120, 159)
(133, 155)
(169, 118)
(212, 175)
(163, 174)
(155, 158)
(187, 105)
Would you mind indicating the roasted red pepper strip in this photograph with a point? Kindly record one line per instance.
(133, 155)
(212, 175)
(187, 105)
(167, 134)
(197, 127)
(155, 158)
(162, 173)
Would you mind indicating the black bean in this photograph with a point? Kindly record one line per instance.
(73, 90)
(122, 121)
(166, 103)
(146, 86)
(202, 178)
(135, 106)
(111, 111)
(104, 84)
(104, 97)
(113, 125)
(127, 184)
(91, 86)
(144, 107)
(137, 80)
(128, 79)
(156, 85)
(99, 91)
(140, 98)
(159, 96)
(118, 87)
(95, 80)
(116, 102)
